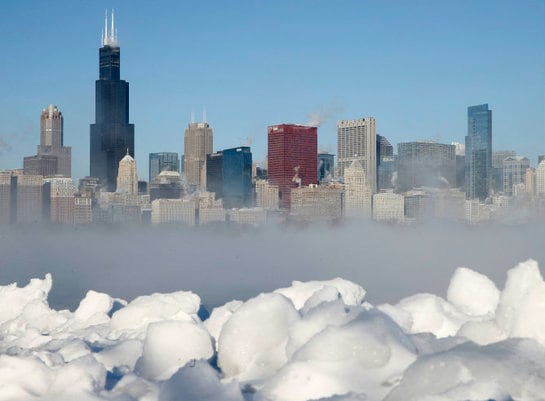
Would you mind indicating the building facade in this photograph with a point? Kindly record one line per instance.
(425, 164)
(326, 166)
(388, 207)
(292, 158)
(514, 172)
(357, 196)
(478, 147)
(237, 177)
(357, 140)
(111, 136)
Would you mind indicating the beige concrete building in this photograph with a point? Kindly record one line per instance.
(173, 211)
(357, 140)
(514, 172)
(389, 207)
(198, 142)
(357, 196)
(317, 202)
(266, 195)
(83, 213)
(52, 158)
(59, 195)
(127, 178)
(253, 216)
(530, 181)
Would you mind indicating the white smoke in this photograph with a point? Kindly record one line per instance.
(296, 179)
(320, 116)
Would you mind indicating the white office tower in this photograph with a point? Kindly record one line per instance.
(357, 140)
(357, 196)
(173, 211)
(540, 178)
(530, 181)
(389, 207)
(127, 179)
(266, 194)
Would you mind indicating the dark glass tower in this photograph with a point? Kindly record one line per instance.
(111, 134)
(478, 159)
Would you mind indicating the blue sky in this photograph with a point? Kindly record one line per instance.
(413, 65)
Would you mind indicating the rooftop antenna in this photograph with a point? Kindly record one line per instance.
(105, 30)
(112, 33)
(192, 116)
(204, 115)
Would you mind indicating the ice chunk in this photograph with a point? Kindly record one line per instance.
(135, 317)
(300, 292)
(252, 342)
(521, 311)
(169, 345)
(17, 298)
(472, 293)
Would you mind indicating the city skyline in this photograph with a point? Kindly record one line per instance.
(242, 84)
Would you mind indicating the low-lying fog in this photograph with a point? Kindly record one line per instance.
(389, 261)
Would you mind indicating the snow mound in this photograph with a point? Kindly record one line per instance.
(311, 341)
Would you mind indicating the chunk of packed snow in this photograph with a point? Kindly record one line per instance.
(218, 317)
(169, 345)
(521, 311)
(198, 382)
(135, 317)
(472, 293)
(430, 313)
(514, 365)
(253, 341)
(19, 297)
(300, 292)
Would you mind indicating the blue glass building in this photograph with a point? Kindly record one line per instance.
(326, 166)
(478, 160)
(237, 177)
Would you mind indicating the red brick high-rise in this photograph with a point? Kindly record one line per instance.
(292, 158)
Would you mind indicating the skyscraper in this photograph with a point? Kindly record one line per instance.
(198, 142)
(163, 161)
(237, 177)
(53, 158)
(357, 140)
(478, 152)
(292, 158)
(127, 179)
(111, 134)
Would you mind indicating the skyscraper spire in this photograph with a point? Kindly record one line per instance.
(109, 36)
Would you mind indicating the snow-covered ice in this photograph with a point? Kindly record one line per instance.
(317, 340)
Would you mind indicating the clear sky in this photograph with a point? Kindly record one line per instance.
(413, 65)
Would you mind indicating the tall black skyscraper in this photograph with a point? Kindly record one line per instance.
(111, 134)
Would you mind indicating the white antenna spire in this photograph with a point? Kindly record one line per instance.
(105, 30)
(112, 33)
(192, 116)
(204, 115)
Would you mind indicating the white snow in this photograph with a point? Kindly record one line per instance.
(311, 341)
